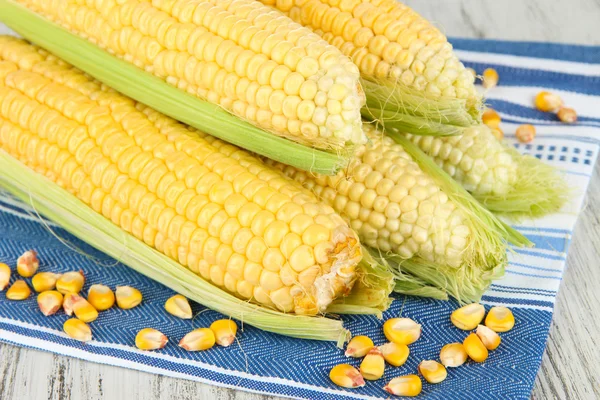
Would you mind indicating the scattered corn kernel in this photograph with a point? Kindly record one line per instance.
(83, 309)
(68, 302)
(4, 276)
(43, 281)
(70, 282)
(407, 385)
(491, 118)
(179, 306)
(28, 264)
(49, 302)
(498, 133)
(489, 338)
(150, 339)
(347, 376)
(432, 371)
(101, 297)
(128, 297)
(525, 133)
(468, 317)
(567, 115)
(373, 365)
(500, 319)
(225, 331)
(359, 346)
(78, 330)
(198, 339)
(475, 348)
(547, 102)
(490, 78)
(395, 354)
(18, 291)
(402, 330)
(453, 355)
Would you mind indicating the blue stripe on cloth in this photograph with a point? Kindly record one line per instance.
(508, 271)
(538, 268)
(518, 110)
(517, 301)
(514, 291)
(541, 291)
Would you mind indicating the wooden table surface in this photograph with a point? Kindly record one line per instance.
(571, 366)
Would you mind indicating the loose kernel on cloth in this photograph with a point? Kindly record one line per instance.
(475, 348)
(225, 331)
(28, 264)
(490, 78)
(453, 355)
(179, 306)
(49, 302)
(491, 118)
(407, 385)
(372, 366)
(19, 290)
(468, 317)
(70, 282)
(395, 354)
(150, 339)
(489, 338)
(78, 330)
(4, 276)
(101, 297)
(128, 297)
(500, 319)
(359, 346)
(347, 376)
(567, 115)
(43, 281)
(525, 133)
(402, 330)
(432, 371)
(547, 102)
(198, 339)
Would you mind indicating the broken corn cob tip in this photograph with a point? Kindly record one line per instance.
(475, 348)
(453, 355)
(70, 282)
(28, 264)
(128, 297)
(150, 339)
(500, 319)
(372, 366)
(83, 309)
(179, 306)
(547, 102)
(491, 118)
(68, 302)
(101, 297)
(407, 385)
(395, 354)
(198, 339)
(359, 346)
(225, 331)
(402, 330)
(490, 78)
(78, 330)
(489, 338)
(432, 371)
(567, 115)
(44, 281)
(346, 376)
(49, 302)
(468, 317)
(525, 133)
(18, 291)
(4, 276)
(498, 133)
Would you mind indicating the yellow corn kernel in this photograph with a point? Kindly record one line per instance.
(346, 376)
(43, 281)
(567, 115)
(395, 354)
(402, 330)
(4, 276)
(498, 133)
(101, 297)
(500, 319)
(68, 302)
(359, 346)
(489, 338)
(432, 371)
(179, 306)
(373, 365)
(83, 309)
(28, 264)
(49, 302)
(70, 282)
(150, 339)
(198, 339)
(468, 317)
(547, 102)
(475, 348)
(453, 355)
(407, 385)
(78, 330)
(525, 133)
(490, 78)
(225, 331)
(128, 297)
(18, 291)
(491, 118)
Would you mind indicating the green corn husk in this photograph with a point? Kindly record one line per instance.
(159, 95)
(370, 295)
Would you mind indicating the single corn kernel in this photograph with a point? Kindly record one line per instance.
(43, 281)
(525, 133)
(18, 291)
(346, 376)
(468, 317)
(83, 309)
(498, 133)
(489, 338)
(101, 297)
(198, 339)
(49, 302)
(402, 330)
(179, 306)
(432, 371)
(407, 385)
(373, 365)
(78, 330)
(567, 115)
(547, 102)
(4, 276)
(359, 346)
(490, 78)
(150, 339)
(128, 297)
(28, 264)
(68, 302)
(225, 331)
(475, 348)
(491, 118)
(500, 319)
(395, 354)
(453, 355)
(70, 282)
